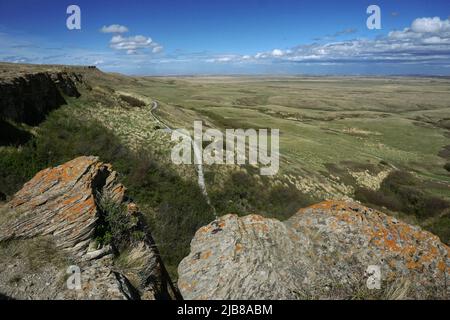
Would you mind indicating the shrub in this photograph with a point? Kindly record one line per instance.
(447, 166)
(114, 225)
(16, 167)
(244, 193)
(402, 192)
(132, 101)
(441, 227)
(378, 198)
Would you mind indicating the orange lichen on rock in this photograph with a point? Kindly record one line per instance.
(330, 243)
(61, 200)
(205, 229)
(256, 218)
(206, 255)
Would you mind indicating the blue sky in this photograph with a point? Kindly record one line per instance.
(231, 37)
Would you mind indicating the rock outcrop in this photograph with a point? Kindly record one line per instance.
(29, 97)
(77, 217)
(59, 214)
(322, 252)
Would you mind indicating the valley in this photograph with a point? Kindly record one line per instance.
(382, 141)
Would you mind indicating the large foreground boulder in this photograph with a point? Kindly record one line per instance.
(77, 216)
(328, 251)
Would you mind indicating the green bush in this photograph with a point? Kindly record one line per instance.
(447, 166)
(441, 227)
(175, 208)
(60, 139)
(16, 167)
(402, 192)
(244, 193)
(115, 225)
(132, 101)
(379, 199)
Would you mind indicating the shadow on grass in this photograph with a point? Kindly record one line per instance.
(10, 135)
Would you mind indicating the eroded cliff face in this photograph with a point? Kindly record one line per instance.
(29, 97)
(57, 220)
(322, 252)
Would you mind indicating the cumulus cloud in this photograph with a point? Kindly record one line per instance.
(427, 25)
(114, 28)
(135, 44)
(130, 44)
(427, 40)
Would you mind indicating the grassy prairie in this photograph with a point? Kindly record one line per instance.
(341, 137)
(322, 120)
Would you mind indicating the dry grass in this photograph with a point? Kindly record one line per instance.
(35, 253)
(7, 214)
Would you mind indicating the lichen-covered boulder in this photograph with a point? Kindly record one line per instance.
(61, 202)
(327, 251)
(53, 223)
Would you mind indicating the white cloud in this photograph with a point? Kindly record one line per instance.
(130, 44)
(261, 55)
(114, 28)
(135, 44)
(427, 25)
(427, 40)
(277, 53)
(225, 58)
(157, 49)
(436, 40)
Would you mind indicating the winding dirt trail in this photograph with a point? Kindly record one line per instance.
(197, 153)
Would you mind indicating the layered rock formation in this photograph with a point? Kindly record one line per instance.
(322, 252)
(29, 97)
(59, 214)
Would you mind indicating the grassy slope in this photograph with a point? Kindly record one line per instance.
(332, 131)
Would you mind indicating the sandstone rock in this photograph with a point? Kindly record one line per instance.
(62, 205)
(322, 252)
